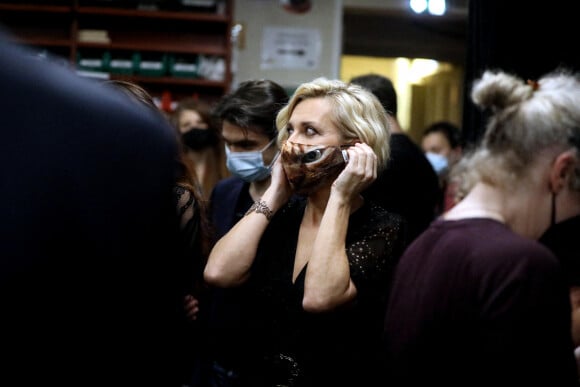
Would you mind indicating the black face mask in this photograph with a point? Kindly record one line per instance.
(197, 139)
(562, 239)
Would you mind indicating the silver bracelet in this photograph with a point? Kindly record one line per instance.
(261, 207)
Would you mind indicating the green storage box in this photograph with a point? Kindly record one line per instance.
(152, 64)
(183, 66)
(123, 63)
(93, 61)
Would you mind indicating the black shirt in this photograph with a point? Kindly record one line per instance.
(408, 186)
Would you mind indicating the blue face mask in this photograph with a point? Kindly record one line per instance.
(438, 162)
(249, 166)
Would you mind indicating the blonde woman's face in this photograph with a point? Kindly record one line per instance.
(190, 119)
(311, 124)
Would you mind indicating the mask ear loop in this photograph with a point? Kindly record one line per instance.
(274, 160)
(268, 145)
(553, 220)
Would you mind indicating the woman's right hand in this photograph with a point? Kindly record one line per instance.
(279, 186)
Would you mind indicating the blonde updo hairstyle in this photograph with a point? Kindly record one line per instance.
(356, 112)
(529, 120)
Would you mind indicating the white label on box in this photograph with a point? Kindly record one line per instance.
(91, 62)
(121, 64)
(151, 65)
(184, 67)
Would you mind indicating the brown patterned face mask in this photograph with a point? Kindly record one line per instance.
(309, 167)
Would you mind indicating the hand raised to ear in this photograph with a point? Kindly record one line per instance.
(360, 171)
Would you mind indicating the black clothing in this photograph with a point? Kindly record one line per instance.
(408, 186)
(562, 239)
(229, 201)
(474, 304)
(88, 290)
(292, 347)
(193, 345)
(227, 335)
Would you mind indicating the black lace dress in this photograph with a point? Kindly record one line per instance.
(296, 348)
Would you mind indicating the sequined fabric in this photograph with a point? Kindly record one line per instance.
(325, 348)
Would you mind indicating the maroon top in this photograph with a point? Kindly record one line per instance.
(475, 304)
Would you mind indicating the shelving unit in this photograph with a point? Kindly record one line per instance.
(171, 50)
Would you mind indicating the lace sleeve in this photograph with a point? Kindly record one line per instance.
(373, 250)
(189, 217)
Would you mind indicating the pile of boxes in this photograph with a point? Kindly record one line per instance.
(151, 64)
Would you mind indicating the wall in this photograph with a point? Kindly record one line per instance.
(352, 66)
(420, 101)
(377, 4)
(419, 104)
(435, 98)
(255, 15)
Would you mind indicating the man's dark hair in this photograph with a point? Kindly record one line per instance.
(253, 105)
(382, 88)
(451, 132)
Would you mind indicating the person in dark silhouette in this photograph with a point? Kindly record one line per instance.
(408, 186)
(562, 239)
(88, 269)
(195, 239)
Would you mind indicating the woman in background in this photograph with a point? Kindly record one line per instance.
(203, 142)
(476, 299)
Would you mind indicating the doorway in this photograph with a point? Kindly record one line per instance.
(423, 55)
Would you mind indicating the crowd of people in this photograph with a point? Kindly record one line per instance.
(293, 240)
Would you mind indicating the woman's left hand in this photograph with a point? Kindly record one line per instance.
(191, 307)
(359, 173)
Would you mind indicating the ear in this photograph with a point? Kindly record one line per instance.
(562, 168)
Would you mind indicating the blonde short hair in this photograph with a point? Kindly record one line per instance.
(356, 112)
(528, 119)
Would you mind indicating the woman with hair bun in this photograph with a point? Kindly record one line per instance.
(476, 299)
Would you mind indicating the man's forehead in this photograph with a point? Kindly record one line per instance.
(237, 133)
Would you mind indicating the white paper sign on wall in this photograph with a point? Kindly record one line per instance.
(290, 48)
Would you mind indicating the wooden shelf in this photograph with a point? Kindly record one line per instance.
(171, 80)
(36, 8)
(184, 15)
(55, 26)
(183, 46)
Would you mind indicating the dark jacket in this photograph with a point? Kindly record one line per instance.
(87, 228)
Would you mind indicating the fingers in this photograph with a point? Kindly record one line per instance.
(363, 162)
(191, 307)
(279, 182)
(360, 171)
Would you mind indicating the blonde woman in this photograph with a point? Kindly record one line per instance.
(315, 255)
